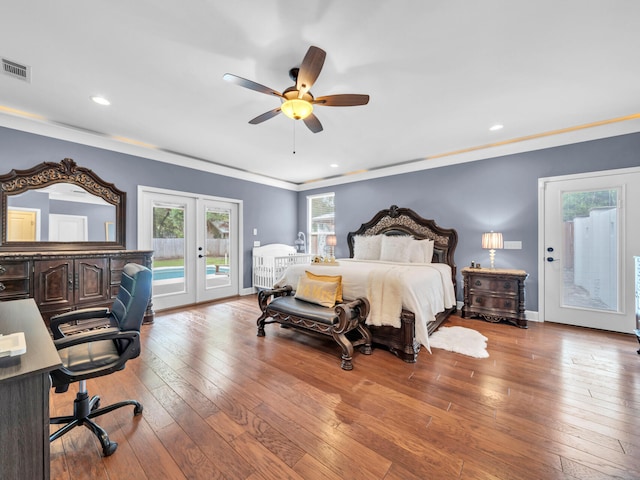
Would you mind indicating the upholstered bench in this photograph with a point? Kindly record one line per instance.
(279, 305)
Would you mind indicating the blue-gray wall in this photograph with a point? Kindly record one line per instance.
(499, 194)
(271, 210)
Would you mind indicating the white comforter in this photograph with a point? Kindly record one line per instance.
(424, 289)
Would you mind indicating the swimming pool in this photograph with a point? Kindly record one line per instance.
(170, 273)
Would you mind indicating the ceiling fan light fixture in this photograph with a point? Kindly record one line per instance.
(297, 100)
(296, 108)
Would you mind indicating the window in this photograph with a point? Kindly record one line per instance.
(321, 218)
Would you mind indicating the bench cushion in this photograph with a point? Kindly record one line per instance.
(293, 306)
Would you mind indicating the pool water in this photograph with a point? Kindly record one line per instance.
(170, 273)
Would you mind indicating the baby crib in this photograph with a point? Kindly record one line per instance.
(270, 262)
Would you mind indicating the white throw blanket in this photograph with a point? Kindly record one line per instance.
(424, 289)
(384, 293)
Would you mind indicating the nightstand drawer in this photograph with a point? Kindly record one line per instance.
(490, 284)
(497, 303)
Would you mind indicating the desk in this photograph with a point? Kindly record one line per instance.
(24, 394)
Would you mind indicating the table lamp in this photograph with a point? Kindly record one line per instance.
(492, 241)
(331, 243)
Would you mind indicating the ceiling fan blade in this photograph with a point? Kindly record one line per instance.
(345, 100)
(310, 69)
(243, 82)
(265, 116)
(313, 123)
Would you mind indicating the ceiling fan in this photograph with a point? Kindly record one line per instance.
(297, 101)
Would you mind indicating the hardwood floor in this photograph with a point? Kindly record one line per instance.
(551, 402)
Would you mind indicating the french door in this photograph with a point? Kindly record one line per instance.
(590, 234)
(195, 240)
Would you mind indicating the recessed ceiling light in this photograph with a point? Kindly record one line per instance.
(334, 165)
(496, 127)
(100, 100)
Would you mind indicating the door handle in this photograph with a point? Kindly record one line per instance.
(200, 256)
(551, 259)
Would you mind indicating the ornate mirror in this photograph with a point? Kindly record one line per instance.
(60, 206)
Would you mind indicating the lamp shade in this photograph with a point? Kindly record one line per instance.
(331, 240)
(492, 240)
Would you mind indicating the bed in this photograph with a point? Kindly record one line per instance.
(420, 295)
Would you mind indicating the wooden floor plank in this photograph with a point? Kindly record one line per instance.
(551, 401)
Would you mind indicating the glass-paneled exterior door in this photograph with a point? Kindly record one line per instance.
(590, 238)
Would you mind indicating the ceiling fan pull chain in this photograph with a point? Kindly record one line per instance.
(294, 138)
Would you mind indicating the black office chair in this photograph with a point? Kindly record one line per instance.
(99, 351)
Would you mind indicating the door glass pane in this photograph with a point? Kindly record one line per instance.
(168, 250)
(217, 221)
(590, 234)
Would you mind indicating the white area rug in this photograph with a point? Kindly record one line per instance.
(460, 340)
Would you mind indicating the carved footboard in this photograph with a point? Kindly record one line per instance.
(402, 341)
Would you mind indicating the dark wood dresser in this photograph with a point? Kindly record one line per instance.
(495, 295)
(64, 281)
(63, 270)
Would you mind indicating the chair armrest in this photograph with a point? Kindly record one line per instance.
(111, 333)
(130, 339)
(76, 316)
(265, 296)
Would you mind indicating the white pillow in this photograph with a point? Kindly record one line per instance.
(367, 247)
(428, 250)
(421, 251)
(395, 248)
(417, 251)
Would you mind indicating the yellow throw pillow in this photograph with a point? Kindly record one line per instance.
(317, 291)
(328, 278)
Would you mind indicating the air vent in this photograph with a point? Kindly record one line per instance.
(16, 70)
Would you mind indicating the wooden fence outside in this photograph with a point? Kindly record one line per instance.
(164, 248)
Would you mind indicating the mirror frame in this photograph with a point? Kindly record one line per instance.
(49, 173)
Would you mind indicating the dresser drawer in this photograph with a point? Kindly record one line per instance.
(14, 270)
(119, 263)
(14, 279)
(14, 288)
(503, 285)
(117, 266)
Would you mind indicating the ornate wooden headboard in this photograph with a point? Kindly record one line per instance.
(404, 221)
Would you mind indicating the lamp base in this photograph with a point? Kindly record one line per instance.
(492, 257)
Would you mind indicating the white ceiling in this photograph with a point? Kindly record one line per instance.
(439, 74)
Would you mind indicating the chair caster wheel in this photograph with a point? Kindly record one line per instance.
(109, 449)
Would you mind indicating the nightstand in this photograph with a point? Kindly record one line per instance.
(495, 295)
